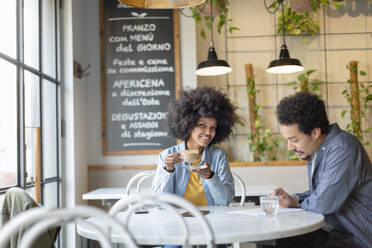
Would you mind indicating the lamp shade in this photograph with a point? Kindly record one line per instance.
(285, 64)
(161, 4)
(213, 66)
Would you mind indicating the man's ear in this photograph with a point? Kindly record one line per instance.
(315, 134)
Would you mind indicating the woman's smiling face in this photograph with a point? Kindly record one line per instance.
(202, 134)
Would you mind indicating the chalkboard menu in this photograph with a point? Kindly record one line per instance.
(139, 75)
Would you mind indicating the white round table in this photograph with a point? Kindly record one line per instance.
(160, 227)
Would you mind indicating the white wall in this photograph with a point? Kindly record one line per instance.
(74, 109)
(67, 108)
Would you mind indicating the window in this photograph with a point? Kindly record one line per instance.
(30, 98)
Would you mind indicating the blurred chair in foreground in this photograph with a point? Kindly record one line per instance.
(168, 202)
(40, 219)
(16, 201)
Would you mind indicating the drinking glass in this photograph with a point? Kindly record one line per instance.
(270, 205)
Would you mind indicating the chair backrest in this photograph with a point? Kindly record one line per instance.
(166, 201)
(242, 186)
(40, 219)
(139, 178)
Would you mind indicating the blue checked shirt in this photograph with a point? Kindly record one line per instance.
(219, 190)
(341, 189)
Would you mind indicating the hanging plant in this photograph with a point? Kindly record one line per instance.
(295, 23)
(302, 6)
(358, 96)
(300, 17)
(219, 9)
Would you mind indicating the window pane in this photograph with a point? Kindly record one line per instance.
(32, 122)
(31, 192)
(31, 33)
(50, 131)
(8, 124)
(48, 39)
(50, 195)
(8, 27)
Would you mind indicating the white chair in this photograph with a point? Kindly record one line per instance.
(139, 178)
(242, 186)
(166, 201)
(242, 199)
(43, 219)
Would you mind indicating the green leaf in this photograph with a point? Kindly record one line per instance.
(369, 130)
(310, 72)
(343, 113)
(337, 4)
(290, 83)
(302, 77)
(202, 34)
(231, 29)
(268, 132)
(362, 73)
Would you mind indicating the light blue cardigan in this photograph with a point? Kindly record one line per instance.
(219, 189)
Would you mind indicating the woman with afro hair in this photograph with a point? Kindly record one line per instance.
(200, 117)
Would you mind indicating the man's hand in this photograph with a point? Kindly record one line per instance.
(205, 172)
(285, 200)
(171, 160)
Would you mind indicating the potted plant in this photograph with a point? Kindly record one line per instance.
(208, 13)
(302, 6)
(300, 16)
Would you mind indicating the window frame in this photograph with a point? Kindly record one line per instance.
(43, 79)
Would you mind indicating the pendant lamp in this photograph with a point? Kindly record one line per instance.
(161, 4)
(285, 64)
(212, 66)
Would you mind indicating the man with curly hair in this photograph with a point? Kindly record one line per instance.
(339, 173)
(200, 118)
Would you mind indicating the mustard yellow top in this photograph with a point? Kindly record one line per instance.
(194, 191)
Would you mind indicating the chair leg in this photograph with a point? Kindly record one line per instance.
(237, 245)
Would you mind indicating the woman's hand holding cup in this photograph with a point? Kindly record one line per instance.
(171, 160)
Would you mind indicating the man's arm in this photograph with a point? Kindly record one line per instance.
(301, 196)
(286, 200)
(337, 178)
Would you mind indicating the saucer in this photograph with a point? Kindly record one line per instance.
(195, 167)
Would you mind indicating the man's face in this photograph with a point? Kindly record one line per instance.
(302, 144)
